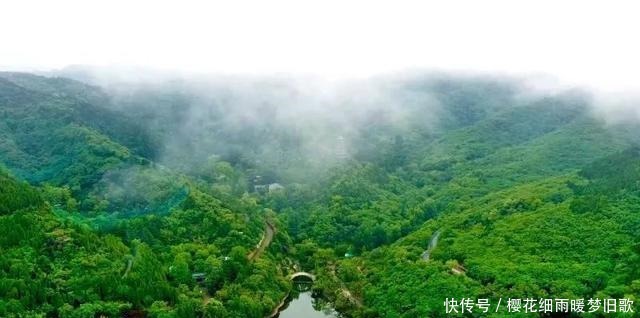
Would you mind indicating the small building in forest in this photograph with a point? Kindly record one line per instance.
(274, 187)
(268, 188)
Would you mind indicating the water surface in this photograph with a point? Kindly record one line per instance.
(302, 306)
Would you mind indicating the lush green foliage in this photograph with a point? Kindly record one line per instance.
(143, 202)
(107, 232)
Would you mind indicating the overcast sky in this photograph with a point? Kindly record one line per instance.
(593, 43)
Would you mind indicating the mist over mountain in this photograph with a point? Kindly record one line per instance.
(142, 193)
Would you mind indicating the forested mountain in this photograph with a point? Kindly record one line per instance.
(66, 251)
(148, 199)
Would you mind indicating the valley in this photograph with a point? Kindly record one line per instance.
(203, 197)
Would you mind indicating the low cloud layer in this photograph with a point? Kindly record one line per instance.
(281, 121)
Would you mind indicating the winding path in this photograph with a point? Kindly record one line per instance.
(267, 237)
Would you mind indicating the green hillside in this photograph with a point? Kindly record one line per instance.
(156, 200)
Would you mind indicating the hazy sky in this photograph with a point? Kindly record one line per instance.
(596, 43)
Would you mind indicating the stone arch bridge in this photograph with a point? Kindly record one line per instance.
(302, 274)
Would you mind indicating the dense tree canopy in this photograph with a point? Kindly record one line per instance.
(151, 201)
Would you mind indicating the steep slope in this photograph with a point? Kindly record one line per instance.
(367, 204)
(148, 240)
(572, 236)
(501, 192)
(53, 264)
(530, 196)
(59, 131)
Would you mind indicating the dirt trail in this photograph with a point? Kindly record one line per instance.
(267, 237)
